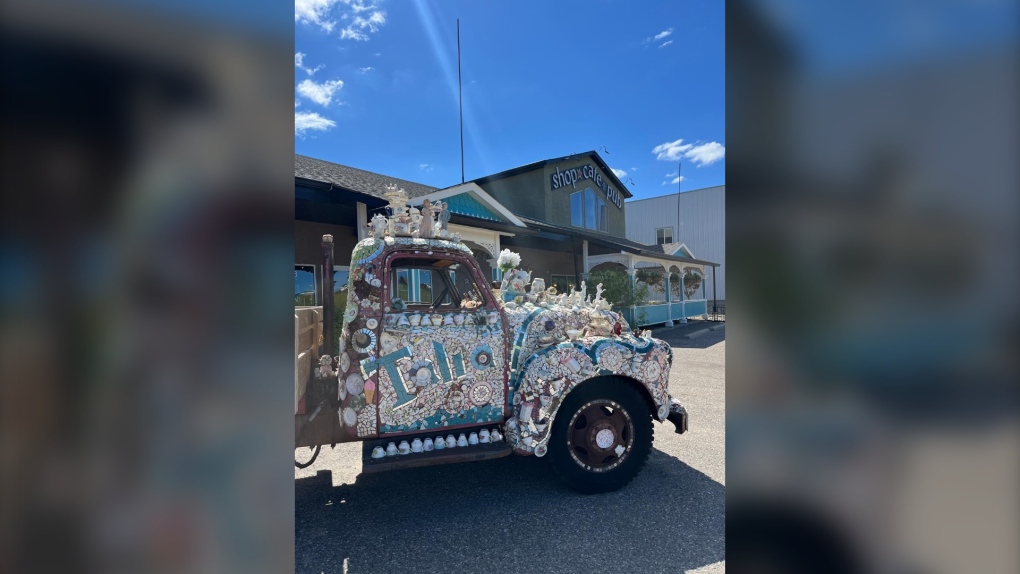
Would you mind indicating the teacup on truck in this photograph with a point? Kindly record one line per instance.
(433, 367)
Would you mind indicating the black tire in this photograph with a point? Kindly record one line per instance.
(569, 456)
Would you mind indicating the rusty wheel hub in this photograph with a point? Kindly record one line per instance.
(601, 435)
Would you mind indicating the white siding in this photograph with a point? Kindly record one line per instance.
(702, 226)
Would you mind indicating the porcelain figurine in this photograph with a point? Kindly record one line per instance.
(416, 221)
(444, 218)
(391, 449)
(428, 445)
(379, 225)
(427, 220)
(416, 445)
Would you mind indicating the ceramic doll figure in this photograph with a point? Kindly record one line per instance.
(427, 220)
(444, 216)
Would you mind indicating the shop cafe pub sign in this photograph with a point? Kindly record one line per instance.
(573, 175)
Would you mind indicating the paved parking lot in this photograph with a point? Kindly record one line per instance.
(514, 515)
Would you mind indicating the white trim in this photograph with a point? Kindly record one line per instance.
(475, 191)
(486, 238)
(362, 221)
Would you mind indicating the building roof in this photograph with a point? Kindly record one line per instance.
(614, 242)
(594, 155)
(711, 187)
(374, 184)
(353, 179)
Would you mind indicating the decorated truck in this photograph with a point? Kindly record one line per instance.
(469, 373)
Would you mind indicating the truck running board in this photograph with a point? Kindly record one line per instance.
(470, 453)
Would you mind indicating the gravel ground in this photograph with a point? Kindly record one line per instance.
(514, 515)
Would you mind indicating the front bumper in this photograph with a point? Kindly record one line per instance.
(677, 416)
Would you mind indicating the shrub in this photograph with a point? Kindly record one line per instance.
(617, 287)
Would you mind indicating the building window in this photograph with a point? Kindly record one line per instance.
(664, 235)
(307, 288)
(588, 210)
(304, 286)
(561, 282)
(414, 285)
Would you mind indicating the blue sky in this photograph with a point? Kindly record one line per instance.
(376, 87)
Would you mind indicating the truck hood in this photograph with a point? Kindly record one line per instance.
(533, 328)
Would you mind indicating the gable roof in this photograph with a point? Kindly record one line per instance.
(353, 179)
(594, 155)
(679, 249)
(473, 201)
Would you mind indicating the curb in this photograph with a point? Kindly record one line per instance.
(697, 333)
(717, 327)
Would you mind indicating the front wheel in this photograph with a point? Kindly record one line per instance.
(601, 437)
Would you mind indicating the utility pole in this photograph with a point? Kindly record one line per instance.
(460, 93)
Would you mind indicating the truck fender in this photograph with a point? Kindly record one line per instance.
(548, 376)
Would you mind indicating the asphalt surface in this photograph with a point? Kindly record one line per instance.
(514, 514)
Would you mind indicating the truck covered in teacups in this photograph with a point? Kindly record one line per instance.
(450, 370)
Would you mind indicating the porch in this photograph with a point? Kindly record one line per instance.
(676, 289)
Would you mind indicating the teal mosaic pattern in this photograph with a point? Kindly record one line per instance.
(465, 204)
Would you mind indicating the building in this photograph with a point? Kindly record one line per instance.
(690, 224)
(565, 216)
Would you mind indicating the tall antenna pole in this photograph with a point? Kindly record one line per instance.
(460, 93)
(679, 178)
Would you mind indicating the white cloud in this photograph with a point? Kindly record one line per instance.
(360, 26)
(321, 94)
(299, 63)
(324, 14)
(304, 121)
(659, 36)
(314, 12)
(666, 43)
(633, 169)
(671, 151)
(706, 154)
(425, 167)
(366, 69)
(672, 173)
(675, 181)
(619, 173)
(701, 154)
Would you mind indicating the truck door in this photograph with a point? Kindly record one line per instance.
(442, 360)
